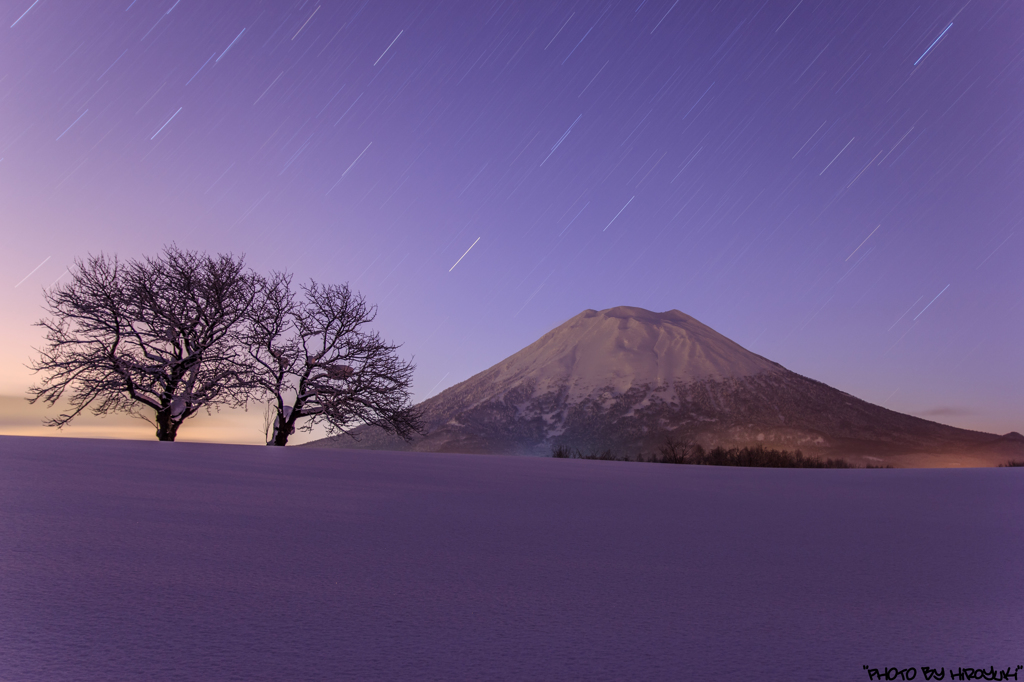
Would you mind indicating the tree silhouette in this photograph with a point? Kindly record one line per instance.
(154, 334)
(317, 365)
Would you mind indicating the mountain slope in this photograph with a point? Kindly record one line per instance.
(627, 378)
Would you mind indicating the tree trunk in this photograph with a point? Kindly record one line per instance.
(284, 427)
(281, 438)
(167, 428)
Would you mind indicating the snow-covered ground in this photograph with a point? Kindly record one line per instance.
(124, 560)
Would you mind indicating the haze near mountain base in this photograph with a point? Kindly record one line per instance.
(627, 379)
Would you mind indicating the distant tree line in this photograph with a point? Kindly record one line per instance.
(164, 337)
(682, 452)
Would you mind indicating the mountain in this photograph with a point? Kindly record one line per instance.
(626, 379)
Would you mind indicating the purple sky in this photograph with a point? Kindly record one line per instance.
(835, 186)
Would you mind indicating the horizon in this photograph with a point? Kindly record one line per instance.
(833, 187)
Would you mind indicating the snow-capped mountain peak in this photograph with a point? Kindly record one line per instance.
(626, 379)
(622, 348)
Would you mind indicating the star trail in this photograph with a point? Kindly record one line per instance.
(796, 175)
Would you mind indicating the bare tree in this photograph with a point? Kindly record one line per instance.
(157, 333)
(314, 361)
